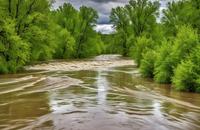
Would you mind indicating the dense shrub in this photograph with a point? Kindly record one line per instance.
(171, 54)
(165, 60)
(187, 74)
(147, 64)
(185, 78)
(163, 68)
(65, 43)
(142, 45)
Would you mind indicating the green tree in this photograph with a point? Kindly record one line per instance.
(134, 20)
(65, 43)
(14, 51)
(142, 15)
(39, 35)
(88, 42)
(121, 23)
(109, 41)
(163, 67)
(147, 64)
(67, 17)
(142, 45)
(179, 13)
(187, 74)
(31, 31)
(171, 55)
(80, 25)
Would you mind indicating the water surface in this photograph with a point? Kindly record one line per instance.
(114, 98)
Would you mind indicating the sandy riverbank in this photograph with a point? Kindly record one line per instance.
(99, 62)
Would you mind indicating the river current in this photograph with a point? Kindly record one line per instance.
(103, 98)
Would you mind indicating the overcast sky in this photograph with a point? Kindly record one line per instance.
(103, 8)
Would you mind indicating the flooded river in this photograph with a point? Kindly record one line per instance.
(100, 97)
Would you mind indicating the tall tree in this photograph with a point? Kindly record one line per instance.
(132, 21)
(121, 22)
(179, 13)
(80, 24)
(14, 51)
(142, 15)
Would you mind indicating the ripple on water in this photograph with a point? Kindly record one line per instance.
(109, 98)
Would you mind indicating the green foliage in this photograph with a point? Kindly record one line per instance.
(65, 43)
(181, 12)
(31, 26)
(177, 48)
(30, 31)
(187, 74)
(170, 55)
(67, 17)
(163, 65)
(142, 45)
(80, 25)
(40, 37)
(161, 49)
(109, 44)
(121, 22)
(88, 42)
(186, 39)
(185, 77)
(142, 14)
(147, 64)
(134, 20)
(14, 52)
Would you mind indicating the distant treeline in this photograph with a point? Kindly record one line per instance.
(30, 31)
(166, 49)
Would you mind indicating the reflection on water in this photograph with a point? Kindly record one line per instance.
(110, 99)
(102, 86)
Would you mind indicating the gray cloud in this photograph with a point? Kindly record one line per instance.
(103, 7)
(106, 1)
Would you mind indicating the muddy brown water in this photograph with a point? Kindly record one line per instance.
(114, 98)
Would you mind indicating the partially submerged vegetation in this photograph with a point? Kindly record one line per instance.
(169, 50)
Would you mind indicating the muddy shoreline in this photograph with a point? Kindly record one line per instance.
(99, 62)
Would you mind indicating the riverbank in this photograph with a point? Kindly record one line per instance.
(99, 62)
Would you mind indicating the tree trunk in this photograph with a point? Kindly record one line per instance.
(30, 7)
(17, 8)
(9, 7)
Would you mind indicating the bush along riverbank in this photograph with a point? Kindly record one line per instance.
(167, 51)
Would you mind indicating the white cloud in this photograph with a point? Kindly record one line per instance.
(105, 28)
